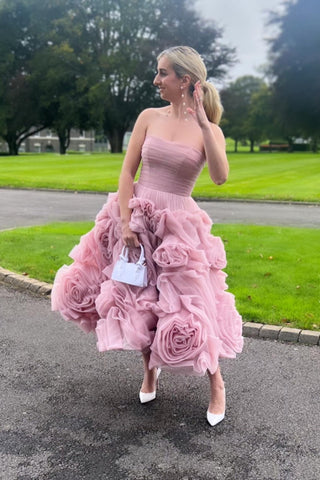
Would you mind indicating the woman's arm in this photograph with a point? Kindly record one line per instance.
(213, 140)
(215, 150)
(128, 171)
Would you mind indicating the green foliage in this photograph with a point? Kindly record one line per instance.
(18, 100)
(130, 35)
(295, 64)
(91, 63)
(260, 122)
(273, 271)
(237, 100)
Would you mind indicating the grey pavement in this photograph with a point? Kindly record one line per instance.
(68, 412)
(34, 207)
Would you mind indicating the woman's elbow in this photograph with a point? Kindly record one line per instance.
(219, 180)
(219, 175)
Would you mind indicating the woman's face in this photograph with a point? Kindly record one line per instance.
(167, 81)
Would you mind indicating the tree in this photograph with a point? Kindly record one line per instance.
(91, 62)
(18, 101)
(124, 37)
(60, 79)
(261, 122)
(61, 69)
(295, 65)
(43, 81)
(19, 113)
(236, 100)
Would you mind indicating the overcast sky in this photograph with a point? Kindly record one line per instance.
(244, 25)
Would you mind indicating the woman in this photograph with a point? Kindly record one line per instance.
(184, 320)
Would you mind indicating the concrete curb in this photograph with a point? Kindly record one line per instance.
(24, 283)
(250, 329)
(284, 334)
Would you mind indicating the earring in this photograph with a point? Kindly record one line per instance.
(184, 106)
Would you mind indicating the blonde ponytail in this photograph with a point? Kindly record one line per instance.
(212, 103)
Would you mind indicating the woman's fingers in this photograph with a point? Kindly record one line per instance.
(192, 112)
(131, 240)
(136, 242)
(198, 93)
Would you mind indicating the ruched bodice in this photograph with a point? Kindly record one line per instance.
(170, 166)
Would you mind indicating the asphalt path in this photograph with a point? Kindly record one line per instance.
(68, 412)
(34, 207)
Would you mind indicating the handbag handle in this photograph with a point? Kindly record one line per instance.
(124, 255)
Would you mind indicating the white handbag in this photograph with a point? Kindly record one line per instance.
(131, 273)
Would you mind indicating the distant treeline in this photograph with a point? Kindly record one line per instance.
(90, 64)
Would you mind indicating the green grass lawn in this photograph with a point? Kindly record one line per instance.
(274, 176)
(274, 272)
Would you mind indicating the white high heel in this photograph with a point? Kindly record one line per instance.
(214, 418)
(148, 397)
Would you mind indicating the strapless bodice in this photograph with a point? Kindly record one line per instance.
(170, 166)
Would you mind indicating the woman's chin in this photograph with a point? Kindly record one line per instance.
(165, 99)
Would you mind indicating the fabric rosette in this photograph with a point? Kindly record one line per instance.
(74, 292)
(113, 294)
(142, 210)
(110, 209)
(127, 321)
(153, 221)
(186, 227)
(106, 236)
(175, 284)
(184, 341)
(216, 253)
(171, 254)
(121, 330)
(88, 251)
(146, 206)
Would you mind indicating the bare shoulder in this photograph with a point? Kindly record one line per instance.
(150, 113)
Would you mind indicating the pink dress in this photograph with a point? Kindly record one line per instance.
(184, 316)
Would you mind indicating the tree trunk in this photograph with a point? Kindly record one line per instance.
(290, 144)
(314, 144)
(116, 140)
(13, 145)
(64, 140)
(252, 146)
(236, 146)
(62, 147)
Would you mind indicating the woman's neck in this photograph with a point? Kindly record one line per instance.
(178, 109)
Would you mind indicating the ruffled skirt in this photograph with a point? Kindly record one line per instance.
(184, 317)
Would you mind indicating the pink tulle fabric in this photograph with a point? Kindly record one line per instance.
(184, 317)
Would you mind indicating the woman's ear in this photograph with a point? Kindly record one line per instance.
(186, 81)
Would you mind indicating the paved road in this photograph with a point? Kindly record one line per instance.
(29, 207)
(70, 413)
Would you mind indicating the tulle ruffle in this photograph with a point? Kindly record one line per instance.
(184, 317)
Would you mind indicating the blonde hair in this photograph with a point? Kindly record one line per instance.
(187, 61)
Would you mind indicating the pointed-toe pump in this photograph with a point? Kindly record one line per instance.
(148, 397)
(215, 418)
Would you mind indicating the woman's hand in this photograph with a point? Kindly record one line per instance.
(130, 239)
(199, 113)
